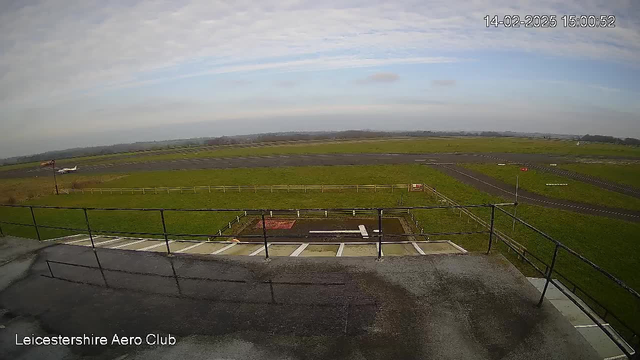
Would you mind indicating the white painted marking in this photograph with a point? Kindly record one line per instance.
(340, 250)
(77, 241)
(363, 231)
(457, 247)
(190, 247)
(300, 249)
(154, 246)
(623, 356)
(224, 249)
(107, 242)
(589, 326)
(66, 237)
(502, 164)
(418, 249)
(127, 244)
(258, 251)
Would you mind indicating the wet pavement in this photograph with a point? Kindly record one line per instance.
(241, 307)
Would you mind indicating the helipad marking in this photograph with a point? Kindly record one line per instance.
(258, 251)
(363, 231)
(224, 249)
(417, 248)
(299, 250)
(340, 250)
(127, 244)
(154, 246)
(77, 241)
(190, 247)
(107, 242)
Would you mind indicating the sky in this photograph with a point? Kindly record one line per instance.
(88, 73)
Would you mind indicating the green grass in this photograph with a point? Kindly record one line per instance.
(535, 181)
(628, 174)
(609, 243)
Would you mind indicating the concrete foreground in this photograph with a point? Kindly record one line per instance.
(240, 307)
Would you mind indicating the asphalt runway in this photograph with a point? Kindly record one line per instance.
(496, 187)
(297, 160)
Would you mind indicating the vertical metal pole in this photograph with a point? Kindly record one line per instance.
(546, 284)
(1, 232)
(493, 215)
(515, 207)
(264, 234)
(379, 233)
(55, 181)
(164, 231)
(35, 224)
(86, 219)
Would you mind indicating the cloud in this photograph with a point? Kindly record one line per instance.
(443, 83)
(382, 77)
(50, 49)
(287, 83)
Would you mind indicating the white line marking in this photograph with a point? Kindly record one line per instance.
(65, 237)
(590, 325)
(340, 250)
(259, 250)
(223, 249)
(363, 231)
(457, 247)
(417, 248)
(154, 246)
(623, 356)
(190, 247)
(127, 244)
(300, 249)
(107, 242)
(77, 241)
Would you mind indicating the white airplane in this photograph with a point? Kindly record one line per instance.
(68, 170)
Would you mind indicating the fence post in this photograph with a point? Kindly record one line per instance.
(264, 235)
(1, 233)
(86, 219)
(164, 231)
(546, 284)
(35, 224)
(379, 234)
(493, 215)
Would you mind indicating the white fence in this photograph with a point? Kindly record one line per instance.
(242, 188)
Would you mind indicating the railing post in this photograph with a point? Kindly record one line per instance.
(264, 235)
(164, 231)
(86, 219)
(35, 224)
(493, 215)
(379, 233)
(546, 284)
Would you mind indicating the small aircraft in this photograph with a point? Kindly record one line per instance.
(68, 170)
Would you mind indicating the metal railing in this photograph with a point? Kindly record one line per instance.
(633, 340)
(378, 212)
(235, 188)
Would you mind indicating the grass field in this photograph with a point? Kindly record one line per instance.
(628, 174)
(608, 242)
(535, 181)
(419, 145)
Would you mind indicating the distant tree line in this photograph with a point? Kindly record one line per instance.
(291, 136)
(610, 139)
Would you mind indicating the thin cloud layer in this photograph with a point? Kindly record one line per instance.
(379, 78)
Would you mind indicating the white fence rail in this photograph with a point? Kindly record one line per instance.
(240, 188)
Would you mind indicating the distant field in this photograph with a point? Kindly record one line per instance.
(628, 174)
(608, 242)
(419, 145)
(536, 181)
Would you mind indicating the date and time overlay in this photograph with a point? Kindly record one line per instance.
(551, 21)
